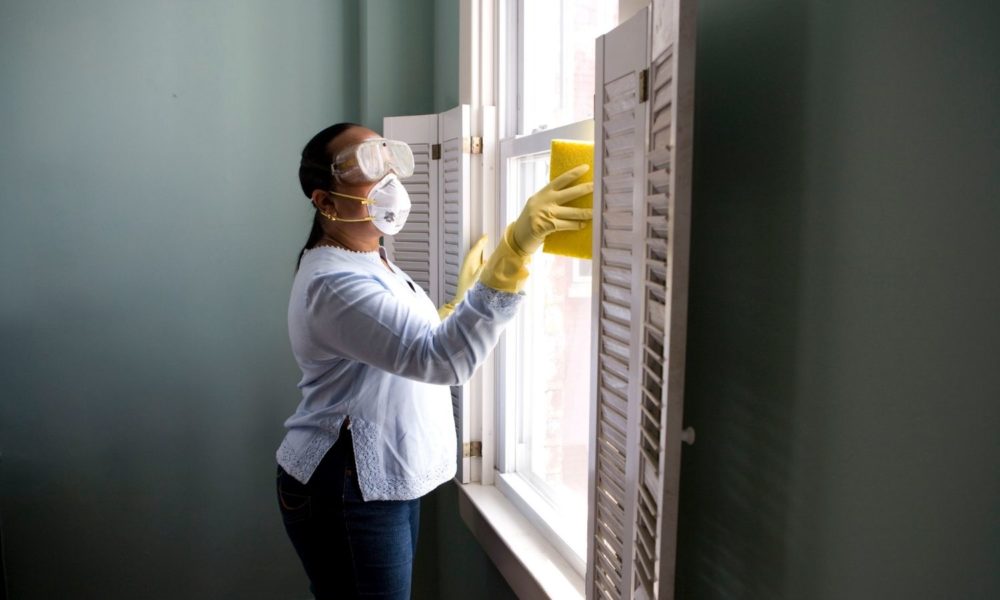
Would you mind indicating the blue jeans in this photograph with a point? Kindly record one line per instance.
(350, 548)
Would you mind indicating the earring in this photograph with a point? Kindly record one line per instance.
(327, 215)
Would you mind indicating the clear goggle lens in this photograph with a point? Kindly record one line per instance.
(371, 160)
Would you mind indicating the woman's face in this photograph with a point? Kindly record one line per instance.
(346, 207)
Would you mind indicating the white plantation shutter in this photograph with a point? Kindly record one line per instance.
(454, 129)
(644, 114)
(618, 135)
(415, 248)
(432, 245)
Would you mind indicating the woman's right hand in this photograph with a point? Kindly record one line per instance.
(545, 214)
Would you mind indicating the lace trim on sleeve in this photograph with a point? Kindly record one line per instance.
(504, 303)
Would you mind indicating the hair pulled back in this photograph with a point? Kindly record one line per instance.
(315, 174)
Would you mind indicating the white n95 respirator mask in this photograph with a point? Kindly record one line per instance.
(388, 205)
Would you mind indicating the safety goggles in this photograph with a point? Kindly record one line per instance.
(373, 159)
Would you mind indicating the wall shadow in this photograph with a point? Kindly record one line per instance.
(743, 333)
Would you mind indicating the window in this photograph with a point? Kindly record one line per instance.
(543, 382)
(550, 533)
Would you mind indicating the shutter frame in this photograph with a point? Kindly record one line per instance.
(454, 185)
(674, 29)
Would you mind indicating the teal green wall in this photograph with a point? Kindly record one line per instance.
(395, 80)
(396, 60)
(151, 218)
(450, 563)
(446, 63)
(844, 333)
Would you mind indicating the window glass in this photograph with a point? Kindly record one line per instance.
(550, 374)
(557, 72)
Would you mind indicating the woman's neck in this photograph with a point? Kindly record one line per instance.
(331, 240)
(348, 242)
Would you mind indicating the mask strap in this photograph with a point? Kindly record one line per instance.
(358, 198)
(333, 218)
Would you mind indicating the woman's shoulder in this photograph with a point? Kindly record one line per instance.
(340, 274)
(329, 261)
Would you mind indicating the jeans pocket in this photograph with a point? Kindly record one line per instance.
(294, 506)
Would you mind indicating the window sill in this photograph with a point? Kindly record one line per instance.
(532, 567)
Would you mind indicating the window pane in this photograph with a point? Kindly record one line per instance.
(550, 377)
(557, 84)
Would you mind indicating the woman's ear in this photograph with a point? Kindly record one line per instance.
(323, 202)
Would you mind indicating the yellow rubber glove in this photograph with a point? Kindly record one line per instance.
(544, 214)
(472, 267)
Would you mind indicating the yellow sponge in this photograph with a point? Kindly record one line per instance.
(567, 154)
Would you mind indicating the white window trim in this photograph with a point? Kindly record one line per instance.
(530, 563)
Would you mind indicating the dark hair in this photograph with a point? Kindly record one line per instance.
(314, 174)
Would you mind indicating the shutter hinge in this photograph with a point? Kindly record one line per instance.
(435, 151)
(472, 449)
(643, 85)
(476, 144)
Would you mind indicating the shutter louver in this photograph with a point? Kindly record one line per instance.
(651, 427)
(415, 248)
(412, 245)
(615, 329)
(454, 215)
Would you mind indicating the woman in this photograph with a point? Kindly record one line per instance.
(374, 431)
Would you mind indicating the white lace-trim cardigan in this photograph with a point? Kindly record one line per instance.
(371, 346)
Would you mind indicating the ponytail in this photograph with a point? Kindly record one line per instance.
(314, 236)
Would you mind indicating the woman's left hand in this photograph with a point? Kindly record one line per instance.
(468, 274)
